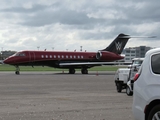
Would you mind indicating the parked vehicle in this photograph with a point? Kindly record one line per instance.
(1, 61)
(124, 76)
(146, 98)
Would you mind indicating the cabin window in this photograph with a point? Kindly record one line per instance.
(62, 56)
(54, 56)
(74, 56)
(70, 56)
(50, 56)
(66, 56)
(42, 56)
(46, 56)
(58, 56)
(78, 56)
(81, 56)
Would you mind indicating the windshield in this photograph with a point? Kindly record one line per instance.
(137, 62)
(19, 54)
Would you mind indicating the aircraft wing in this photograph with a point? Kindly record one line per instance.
(92, 63)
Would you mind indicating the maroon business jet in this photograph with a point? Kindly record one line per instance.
(70, 60)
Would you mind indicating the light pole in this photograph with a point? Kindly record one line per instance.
(2, 54)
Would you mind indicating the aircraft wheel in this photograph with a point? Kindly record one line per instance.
(72, 71)
(17, 73)
(84, 71)
(17, 70)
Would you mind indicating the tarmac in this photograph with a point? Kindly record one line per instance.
(61, 96)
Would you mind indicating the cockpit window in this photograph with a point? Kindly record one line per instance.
(19, 54)
(22, 54)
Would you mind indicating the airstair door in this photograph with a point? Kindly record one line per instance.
(31, 56)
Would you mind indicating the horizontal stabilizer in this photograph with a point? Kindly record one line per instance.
(140, 36)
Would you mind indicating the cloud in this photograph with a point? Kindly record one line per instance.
(34, 8)
(62, 17)
(69, 24)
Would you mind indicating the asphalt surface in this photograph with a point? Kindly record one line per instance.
(61, 96)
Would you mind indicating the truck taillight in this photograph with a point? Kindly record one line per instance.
(136, 76)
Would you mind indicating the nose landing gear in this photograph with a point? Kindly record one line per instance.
(17, 70)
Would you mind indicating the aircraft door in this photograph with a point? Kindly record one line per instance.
(31, 56)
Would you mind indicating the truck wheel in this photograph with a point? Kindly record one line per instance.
(155, 113)
(128, 91)
(119, 87)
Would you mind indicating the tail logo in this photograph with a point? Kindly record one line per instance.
(118, 46)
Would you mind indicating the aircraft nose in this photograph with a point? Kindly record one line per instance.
(7, 61)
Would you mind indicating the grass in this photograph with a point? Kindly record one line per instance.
(45, 68)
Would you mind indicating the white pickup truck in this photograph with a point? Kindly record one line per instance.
(124, 76)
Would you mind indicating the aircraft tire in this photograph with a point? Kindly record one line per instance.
(72, 71)
(17, 73)
(84, 71)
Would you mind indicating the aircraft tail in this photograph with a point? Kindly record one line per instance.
(118, 44)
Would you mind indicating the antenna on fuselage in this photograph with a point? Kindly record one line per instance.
(81, 48)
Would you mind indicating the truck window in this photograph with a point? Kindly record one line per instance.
(155, 63)
(137, 62)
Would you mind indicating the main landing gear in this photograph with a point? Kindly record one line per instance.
(83, 71)
(72, 71)
(17, 70)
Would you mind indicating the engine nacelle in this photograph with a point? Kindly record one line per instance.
(99, 55)
(107, 56)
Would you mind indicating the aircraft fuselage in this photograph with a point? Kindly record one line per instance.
(54, 58)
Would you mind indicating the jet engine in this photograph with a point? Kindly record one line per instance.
(109, 56)
(99, 55)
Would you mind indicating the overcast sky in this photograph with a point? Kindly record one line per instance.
(69, 24)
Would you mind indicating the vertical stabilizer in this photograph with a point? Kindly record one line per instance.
(118, 44)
